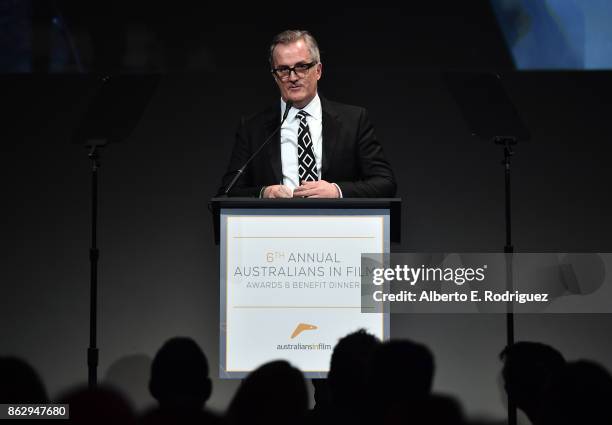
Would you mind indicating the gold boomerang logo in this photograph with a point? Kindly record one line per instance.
(301, 328)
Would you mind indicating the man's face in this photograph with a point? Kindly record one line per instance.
(298, 89)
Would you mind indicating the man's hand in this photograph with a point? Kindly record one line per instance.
(318, 189)
(277, 191)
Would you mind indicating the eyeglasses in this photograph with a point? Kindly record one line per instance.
(300, 69)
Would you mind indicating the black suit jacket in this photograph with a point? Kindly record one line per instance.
(352, 156)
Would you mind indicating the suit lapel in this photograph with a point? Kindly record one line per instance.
(330, 135)
(273, 149)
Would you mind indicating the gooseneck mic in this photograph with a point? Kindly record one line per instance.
(229, 187)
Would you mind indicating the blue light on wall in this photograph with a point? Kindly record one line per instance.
(557, 34)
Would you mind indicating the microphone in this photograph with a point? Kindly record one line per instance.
(229, 187)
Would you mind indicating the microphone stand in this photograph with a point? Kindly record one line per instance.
(239, 172)
(94, 255)
(507, 143)
(116, 105)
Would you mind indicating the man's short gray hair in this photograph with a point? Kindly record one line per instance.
(291, 36)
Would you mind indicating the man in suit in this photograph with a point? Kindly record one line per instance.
(324, 149)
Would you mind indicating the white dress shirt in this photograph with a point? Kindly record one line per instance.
(289, 140)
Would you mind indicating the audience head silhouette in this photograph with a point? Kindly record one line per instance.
(435, 409)
(580, 394)
(348, 368)
(402, 372)
(528, 370)
(179, 375)
(274, 393)
(19, 382)
(103, 405)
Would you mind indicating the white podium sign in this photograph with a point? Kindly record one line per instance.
(290, 285)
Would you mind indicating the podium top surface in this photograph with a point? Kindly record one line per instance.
(393, 204)
(291, 203)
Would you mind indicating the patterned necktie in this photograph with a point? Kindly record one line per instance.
(307, 166)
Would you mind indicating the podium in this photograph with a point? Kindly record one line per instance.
(290, 276)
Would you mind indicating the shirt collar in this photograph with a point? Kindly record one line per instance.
(313, 109)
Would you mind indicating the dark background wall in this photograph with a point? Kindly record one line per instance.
(143, 36)
(159, 265)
